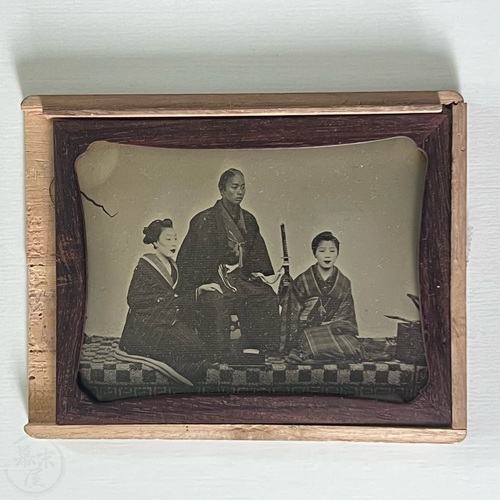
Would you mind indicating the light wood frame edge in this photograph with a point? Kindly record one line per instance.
(247, 432)
(40, 257)
(42, 282)
(458, 305)
(195, 105)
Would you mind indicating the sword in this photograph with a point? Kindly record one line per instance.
(286, 260)
(285, 295)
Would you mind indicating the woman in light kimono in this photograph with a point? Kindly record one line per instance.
(318, 321)
(153, 334)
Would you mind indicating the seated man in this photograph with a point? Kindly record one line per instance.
(219, 265)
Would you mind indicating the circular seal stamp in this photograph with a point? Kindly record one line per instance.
(36, 467)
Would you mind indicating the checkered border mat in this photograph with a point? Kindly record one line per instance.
(107, 378)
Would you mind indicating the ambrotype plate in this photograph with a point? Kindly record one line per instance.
(189, 289)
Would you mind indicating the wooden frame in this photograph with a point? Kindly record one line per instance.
(433, 119)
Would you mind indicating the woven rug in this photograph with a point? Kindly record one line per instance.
(106, 378)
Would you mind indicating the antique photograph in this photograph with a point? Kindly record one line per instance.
(286, 270)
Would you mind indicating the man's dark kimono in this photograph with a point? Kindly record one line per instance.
(225, 250)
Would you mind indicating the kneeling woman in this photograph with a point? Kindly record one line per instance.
(152, 330)
(318, 318)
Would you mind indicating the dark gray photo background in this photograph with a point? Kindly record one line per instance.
(368, 194)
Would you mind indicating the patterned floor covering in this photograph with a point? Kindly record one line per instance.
(106, 378)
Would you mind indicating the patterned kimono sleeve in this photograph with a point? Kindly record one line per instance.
(344, 320)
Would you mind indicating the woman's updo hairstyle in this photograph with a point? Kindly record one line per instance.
(324, 236)
(153, 231)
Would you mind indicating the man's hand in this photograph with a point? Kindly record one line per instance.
(210, 287)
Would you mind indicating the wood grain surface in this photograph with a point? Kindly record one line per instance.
(248, 432)
(240, 104)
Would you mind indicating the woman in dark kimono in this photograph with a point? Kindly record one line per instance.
(318, 321)
(152, 331)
